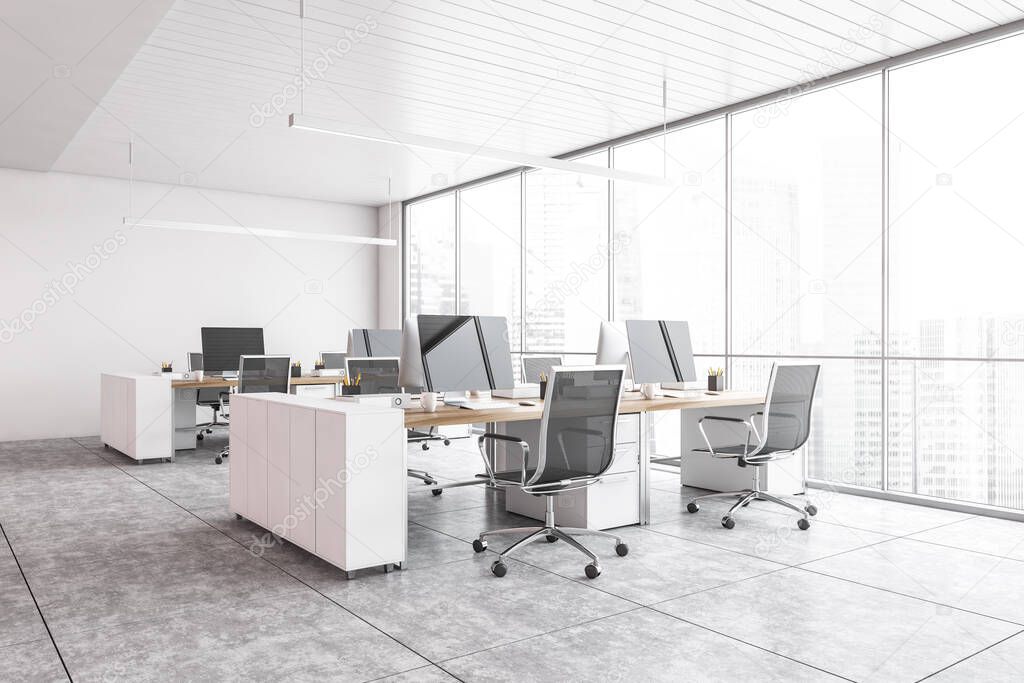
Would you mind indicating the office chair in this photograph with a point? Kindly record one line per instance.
(533, 366)
(577, 445)
(785, 426)
(260, 374)
(207, 398)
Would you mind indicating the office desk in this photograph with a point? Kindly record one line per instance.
(629, 477)
(150, 416)
(444, 416)
(221, 383)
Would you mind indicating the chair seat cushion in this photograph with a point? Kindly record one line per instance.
(556, 474)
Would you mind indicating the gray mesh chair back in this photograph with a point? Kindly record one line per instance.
(533, 366)
(264, 374)
(204, 397)
(787, 408)
(577, 441)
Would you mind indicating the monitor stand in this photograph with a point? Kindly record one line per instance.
(454, 398)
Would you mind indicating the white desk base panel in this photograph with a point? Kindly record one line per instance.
(612, 502)
(328, 476)
(136, 415)
(701, 470)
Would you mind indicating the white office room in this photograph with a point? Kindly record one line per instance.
(498, 340)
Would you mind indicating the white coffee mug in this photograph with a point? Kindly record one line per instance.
(648, 390)
(197, 375)
(428, 401)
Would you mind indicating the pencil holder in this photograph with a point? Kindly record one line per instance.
(351, 390)
(716, 382)
(543, 389)
(167, 368)
(296, 371)
(318, 366)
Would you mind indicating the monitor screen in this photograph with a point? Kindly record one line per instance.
(375, 343)
(535, 366)
(375, 375)
(222, 346)
(333, 360)
(494, 331)
(453, 355)
(682, 349)
(613, 347)
(660, 351)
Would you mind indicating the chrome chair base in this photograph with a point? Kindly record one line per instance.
(550, 532)
(746, 497)
(422, 475)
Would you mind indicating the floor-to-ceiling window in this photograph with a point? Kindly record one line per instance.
(431, 256)
(956, 310)
(490, 239)
(668, 248)
(799, 231)
(566, 266)
(807, 263)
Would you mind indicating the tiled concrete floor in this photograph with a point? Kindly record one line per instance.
(111, 570)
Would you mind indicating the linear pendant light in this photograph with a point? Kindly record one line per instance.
(319, 125)
(261, 232)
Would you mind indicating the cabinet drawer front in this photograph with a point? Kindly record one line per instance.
(626, 459)
(627, 429)
(614, 501)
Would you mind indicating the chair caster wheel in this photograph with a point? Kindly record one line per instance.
(621, 549)
(592, 571)
(238, 516)
(479, 546)
(499, 568)
(692, 507)
(437, 492)
(425, 447)
(447, 442)
(199, 436)
(218, 460)
(803, 524)
(728, 522)
(551, 538)
(430, 482)
(209, 431)
(811, 510)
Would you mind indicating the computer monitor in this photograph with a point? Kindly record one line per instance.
(410, 364)
(660, 351)
(535, 366)
(375, 375)
(368, 343)
(223, 346)
(333, 360)
(465, 352)
(613, 347)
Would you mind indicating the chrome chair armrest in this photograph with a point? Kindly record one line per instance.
(525, 447)
(718, 418)
(753, 423)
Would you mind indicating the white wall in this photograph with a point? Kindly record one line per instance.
(137, 297)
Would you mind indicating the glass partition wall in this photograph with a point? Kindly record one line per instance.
(872, 226)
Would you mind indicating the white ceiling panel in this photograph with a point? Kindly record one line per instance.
(206, 96)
